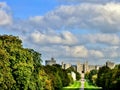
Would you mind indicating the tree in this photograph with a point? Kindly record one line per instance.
(71, 69)
(6, 78)
(18, 65)
(36, 82)
(109, 79)
(53, 73)
(102, 78)
(46, 81)
(21, 69)
(91, 74)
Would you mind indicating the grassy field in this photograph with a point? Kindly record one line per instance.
(89, 86)
(75, 86)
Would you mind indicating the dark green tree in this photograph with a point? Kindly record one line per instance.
(102, 76)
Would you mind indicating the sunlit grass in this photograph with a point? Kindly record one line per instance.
(75, 86)
(90, 86)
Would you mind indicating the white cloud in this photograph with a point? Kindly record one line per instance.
(51, 34)
(69, 38)
(83, 52)
(99, 17)
(66, 45)
(96, 53)
(114, 54)
(111, 52)
(3, 5)
(62, 38)
(79, 51)
(5, 19)
(36, 18)
(5, 16)
(100, 38)
(54, 47)
(88, 1)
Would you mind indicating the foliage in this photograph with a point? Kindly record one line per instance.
(109, 79)
(46, 81)
(102, 76)
(78, 76)
(92, 75)
(17, 64)
(21, 69)
(71, 69)
(6, 78)
(59, 77)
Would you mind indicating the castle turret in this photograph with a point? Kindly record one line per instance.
(109, 64)
(86, 66)
(50, 62)
(67, 65)
(79, 67)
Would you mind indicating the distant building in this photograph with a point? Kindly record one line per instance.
(97, 67)
(109, 64)
(91, 67)
(73, 75)
(74, 67)
(81, 68)
(50, 62)
(65, 66)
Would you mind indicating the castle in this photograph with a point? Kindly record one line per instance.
(79, 67)
(109, 64)
(50, 62)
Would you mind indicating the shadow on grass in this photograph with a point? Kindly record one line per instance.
(92, 89)
(80, 88)
(71, 89)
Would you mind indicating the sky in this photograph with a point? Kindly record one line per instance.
(71, 31)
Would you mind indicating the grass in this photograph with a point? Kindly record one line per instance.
(87, 86)
(90, 86)
(75, 86)
(91, 89)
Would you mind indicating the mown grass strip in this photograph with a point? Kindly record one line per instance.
(75, 86)
(90, 86)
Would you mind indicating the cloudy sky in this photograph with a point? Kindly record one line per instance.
(68, 30)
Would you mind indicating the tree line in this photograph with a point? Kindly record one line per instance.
(108, 79)
(21, 68)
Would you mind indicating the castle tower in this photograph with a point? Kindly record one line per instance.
(67, 65)
(50, 62)
(85, 67)
(109, 64)
(79, 68)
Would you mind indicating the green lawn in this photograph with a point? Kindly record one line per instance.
(75, 86)
(90, 86)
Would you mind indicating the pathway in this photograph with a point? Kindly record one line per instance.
(82, 81)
